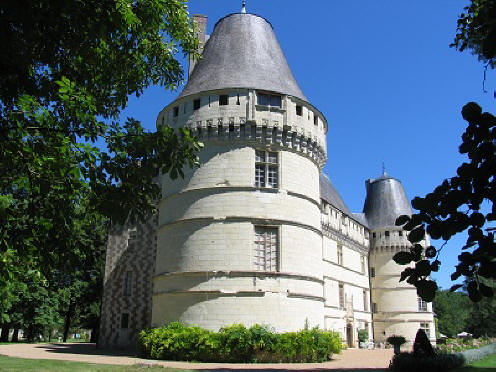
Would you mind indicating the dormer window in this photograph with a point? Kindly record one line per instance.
(223, 100)
(265, 99)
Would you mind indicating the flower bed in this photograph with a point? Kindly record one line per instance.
(238, 344)
(456, 345)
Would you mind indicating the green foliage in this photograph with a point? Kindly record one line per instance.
(452, 312)
(363, 335)
(237, 343)
(408, 362)
(396, 340)
(455, 206)
(68, 68)
(476, 30)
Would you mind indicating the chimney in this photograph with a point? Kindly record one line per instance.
(201, 29)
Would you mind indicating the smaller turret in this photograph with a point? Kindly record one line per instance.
(397, 308)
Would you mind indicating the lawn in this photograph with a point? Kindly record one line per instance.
(484, 365)
(38, 365)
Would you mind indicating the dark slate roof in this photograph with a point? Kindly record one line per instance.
(360, 217)
(329, 194)
(243, 52)
(386, 200)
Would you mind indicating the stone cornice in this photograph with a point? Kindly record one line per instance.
(338, 236)
(269, 133)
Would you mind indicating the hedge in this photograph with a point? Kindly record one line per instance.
(238, 344)
(407, 362)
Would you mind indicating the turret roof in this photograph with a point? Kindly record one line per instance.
(386, 200)
(243, 52)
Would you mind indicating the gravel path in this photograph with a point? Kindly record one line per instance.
(348, 360)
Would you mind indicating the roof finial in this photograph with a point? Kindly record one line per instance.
(384, 169)
(243, 7)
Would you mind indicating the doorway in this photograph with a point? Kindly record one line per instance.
(349, 335)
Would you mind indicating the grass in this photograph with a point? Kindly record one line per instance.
(8, 364)
(484, 365)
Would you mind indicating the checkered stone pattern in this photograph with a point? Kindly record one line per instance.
(131, 252)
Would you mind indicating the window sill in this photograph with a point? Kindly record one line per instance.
(270, 108)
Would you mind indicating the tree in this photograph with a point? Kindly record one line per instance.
(452, 312)
(67, 69)
(460, 203)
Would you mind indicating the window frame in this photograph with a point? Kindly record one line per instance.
(270, 262)
(421, 305)
(340, 255)
(124, 321)
(266, 169)
(425, 326)
(128, 284)
(341, 295)
(299, 110)
(269, 99)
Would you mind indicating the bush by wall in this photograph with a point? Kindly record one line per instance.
(237, 343)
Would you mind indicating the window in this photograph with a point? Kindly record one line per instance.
(387, 234)
(223, 100)
(422, 305)
(237, 100)
(426, 328)
(362, 259)
(340, 254)
(265, 254)
(196, 104)
(128, 282)
(365, 301)
(400, 233)
(374, 307)
(373, 235)
(341, 296)
(372, 272)
(266, 169)
(176, 111)
(125, 321)
(265, 99)
(299, 110)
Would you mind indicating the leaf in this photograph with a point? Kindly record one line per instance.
(426, 289)
(473, 291)
(401, 220)
(403, 258)
(485, 290)
(423, 268)
(416, 234)
(455, 287)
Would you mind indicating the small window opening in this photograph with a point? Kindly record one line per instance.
(387, 234)
(163, 120)
(184, 108)
(237, 100)
(372, 272)
(400, 233)
(315, 119)
(125, 321)
(299, 110)
(374, 307)
(223, 100)
(176, 111)
(196, 104)
(373, 235)
(208, 101)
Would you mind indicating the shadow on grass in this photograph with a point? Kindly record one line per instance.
(83, 348)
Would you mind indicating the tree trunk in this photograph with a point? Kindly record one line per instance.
(94, 334)
(68, 318)
(4, 335)
(15, 335)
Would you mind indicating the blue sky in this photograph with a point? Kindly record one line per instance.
(383, 74)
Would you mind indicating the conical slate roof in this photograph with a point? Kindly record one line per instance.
(386, 200)
(243, 52)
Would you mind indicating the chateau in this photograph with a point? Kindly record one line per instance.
(257, 233)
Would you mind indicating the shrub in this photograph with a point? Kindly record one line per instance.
(455, 345)
(476, 354)
(396, 340)
(408, 362)
(363, 335)
(237, 343)
(422, 347)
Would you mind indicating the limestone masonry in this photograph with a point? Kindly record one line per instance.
(257, 233)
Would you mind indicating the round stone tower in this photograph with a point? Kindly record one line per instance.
(397, 310)
(239, 239)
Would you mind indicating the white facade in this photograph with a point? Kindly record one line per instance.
(257, 234)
